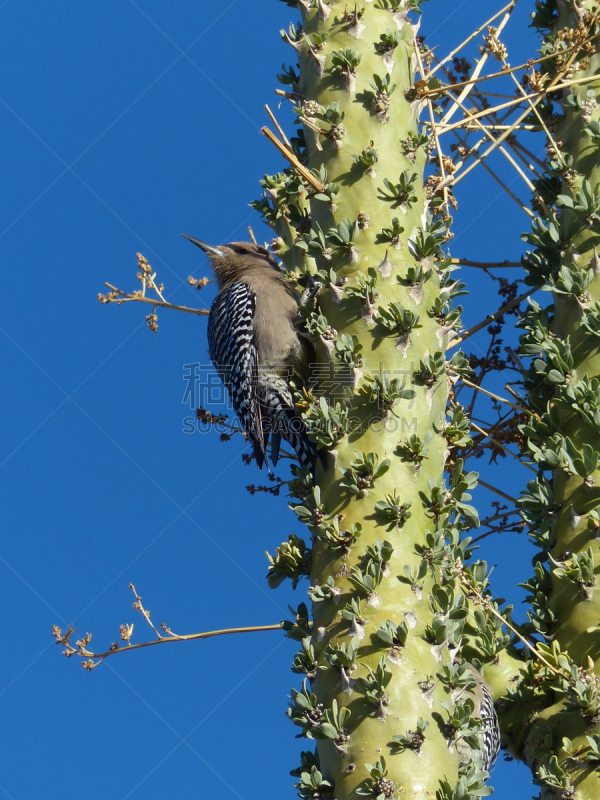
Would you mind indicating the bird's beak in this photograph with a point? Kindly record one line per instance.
(208, 248)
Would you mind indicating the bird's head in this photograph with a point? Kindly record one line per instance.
(230, 261)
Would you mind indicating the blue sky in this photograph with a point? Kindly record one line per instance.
(122, 125)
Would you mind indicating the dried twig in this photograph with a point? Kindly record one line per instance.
(485, 602)
(496, 491)
(490, 394)
(503, 447)
(518, 101)
(553, 86)
(124, 297)
(513, 163)
(492, 317)
(480, 64)
(503, 72)
(287, 153)
(494, 175)
(95, 659)
(470, 38)
(436, 138)
(279, 128)
(465, 262)
(148, 280)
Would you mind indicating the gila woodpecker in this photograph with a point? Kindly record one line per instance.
(489, 738)
(256, 348)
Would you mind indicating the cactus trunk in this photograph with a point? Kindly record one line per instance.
(387, 574)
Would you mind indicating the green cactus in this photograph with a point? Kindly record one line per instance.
(400, 612)
(387, 574)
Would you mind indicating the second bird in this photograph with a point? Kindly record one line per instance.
(254, 344)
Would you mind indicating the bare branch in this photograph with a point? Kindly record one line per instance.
(137, 297)
(503, 72)
(450, 56)
(496, 491)
(491, 394)
(148, 280)
(279, 128)
(493, 317)
(518, 101)
(513, 163)
(553, 86)
(503, 447)
(287, 153)
(480, 64)
(440, 155)
(491, 172)
(82, 650)
(465, 262)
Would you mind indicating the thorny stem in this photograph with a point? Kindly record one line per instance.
(565, 531)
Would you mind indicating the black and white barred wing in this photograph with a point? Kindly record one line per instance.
(232, 351)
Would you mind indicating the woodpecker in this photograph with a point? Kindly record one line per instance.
(489, 739)
(256, 348)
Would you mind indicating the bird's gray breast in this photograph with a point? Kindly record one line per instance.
(274, 329)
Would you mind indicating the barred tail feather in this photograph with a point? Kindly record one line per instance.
(258, 448)
(287, 424)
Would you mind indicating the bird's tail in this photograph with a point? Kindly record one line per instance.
(286, 423)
